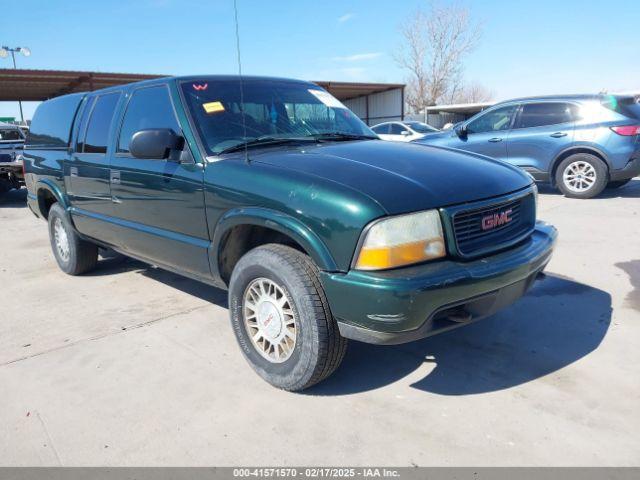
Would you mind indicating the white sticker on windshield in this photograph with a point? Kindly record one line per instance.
(326, 98)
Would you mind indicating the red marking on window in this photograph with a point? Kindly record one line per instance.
(202, 86)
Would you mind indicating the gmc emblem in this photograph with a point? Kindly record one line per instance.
(495, 220)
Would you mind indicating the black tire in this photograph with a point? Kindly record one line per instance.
(5, 186)
(319, 347)
(599, 169)
(82, 255)
(618, 183)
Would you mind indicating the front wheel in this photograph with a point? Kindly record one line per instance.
(581, 175)
(281, 318)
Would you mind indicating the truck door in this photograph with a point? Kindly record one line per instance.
(158, 203)
(87, 171)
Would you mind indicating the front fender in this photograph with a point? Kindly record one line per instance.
(274, 220)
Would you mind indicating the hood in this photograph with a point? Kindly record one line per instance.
(402, 177)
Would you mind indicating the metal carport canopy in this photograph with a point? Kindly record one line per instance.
(38, 85)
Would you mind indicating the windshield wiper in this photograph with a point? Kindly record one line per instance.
(342, 136)
(267, 140)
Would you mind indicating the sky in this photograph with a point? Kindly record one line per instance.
(527, 47)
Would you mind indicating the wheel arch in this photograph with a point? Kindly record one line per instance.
(571, 151)
(48, 193)
(240, 230)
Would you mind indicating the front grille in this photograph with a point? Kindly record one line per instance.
(485, 229)
(6, 157)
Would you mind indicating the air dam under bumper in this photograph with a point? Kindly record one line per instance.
(402, 305)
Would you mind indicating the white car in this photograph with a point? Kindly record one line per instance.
(403, 131)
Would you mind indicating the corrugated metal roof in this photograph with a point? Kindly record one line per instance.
(44, 84)
(38, 85)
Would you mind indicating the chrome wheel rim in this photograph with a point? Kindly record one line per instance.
(61, 240)
(269, 320)
(579, 176)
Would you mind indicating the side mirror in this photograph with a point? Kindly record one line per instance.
(155, 143)
(461, 131)
(405, 132)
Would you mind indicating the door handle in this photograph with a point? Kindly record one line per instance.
(495, 140)
(558, 134)
(115, 177)
(73, 172)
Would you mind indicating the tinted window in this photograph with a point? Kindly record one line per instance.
(100, 123)
(627, 106)
(148, 108)
(493, 121)
(539, 114)
(52, 122)
(81, 122)
(422, 127)
(381, 129)
(396, 129)
(10, 134)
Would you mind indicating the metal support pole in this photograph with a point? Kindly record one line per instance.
(13, 57)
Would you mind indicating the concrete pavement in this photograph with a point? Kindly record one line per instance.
(131, 365)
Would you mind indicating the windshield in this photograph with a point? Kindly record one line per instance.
(421, 127)
(272, 109)
(10, 134)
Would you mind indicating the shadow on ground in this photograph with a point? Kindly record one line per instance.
(14, 199)
(557, 323)
(112, 264)
(630, 190)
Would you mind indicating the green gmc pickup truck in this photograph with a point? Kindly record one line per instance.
(273, 189)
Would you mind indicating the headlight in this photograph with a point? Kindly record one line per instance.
(402, 240)
(535, 196)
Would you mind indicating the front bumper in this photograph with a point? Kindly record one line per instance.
(402, 305)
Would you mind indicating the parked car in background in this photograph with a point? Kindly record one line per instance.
(11, 144)
(24, 129)
(582, 144)
(403, 131)
(276, 191)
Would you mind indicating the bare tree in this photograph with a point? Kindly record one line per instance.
(436, 42)
(471, 93)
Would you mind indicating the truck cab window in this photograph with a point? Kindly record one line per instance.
(99, 125)
(148, 108)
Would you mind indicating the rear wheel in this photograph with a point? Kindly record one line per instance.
(581, 175)
(618, 183)
(73, 254)
(281, 318)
